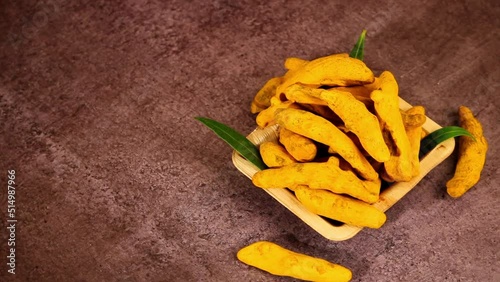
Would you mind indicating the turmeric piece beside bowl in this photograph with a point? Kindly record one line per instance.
(472, 155)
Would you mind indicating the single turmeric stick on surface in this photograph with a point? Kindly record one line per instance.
(277, 260)
(472, 155)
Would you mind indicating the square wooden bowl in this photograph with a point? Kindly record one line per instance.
(388, 197)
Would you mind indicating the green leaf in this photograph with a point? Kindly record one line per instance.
(237, 141)
(358, 50)
(433, 139)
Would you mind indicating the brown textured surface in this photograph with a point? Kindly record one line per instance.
(117, 181)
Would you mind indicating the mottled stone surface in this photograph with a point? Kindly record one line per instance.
(118, 182)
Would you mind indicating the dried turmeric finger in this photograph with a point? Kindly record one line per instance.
(327, 175)
(333, 70)
(424, 133)
(266, 117)
(296, 93)
(386, 103)
(413, 120)
(299, 147)
(359, 121)
(279, 261)
(321, 130)
(255, 109)
(293, 63)
(414, 117)
(338, 207)
(472, 155)
(323, 111)
(274, 155)
(362, 92)
(262, 99)
(353, 113)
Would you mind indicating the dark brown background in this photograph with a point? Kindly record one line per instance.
(117, 181)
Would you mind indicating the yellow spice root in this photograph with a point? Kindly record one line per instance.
(386, 102)
(413, 120)
(338, 207)
(326, 175)
(362, 92)
(352, 112)
(321, 130)
(279, 261)
(262, 99)
(358, 120)
(332, 70)
(266, 117)
(472, 155)
(299, 147)
(414, 117)
(293, 63)
(255, 109)
(299, 94)
(323, 111)
(274, 155)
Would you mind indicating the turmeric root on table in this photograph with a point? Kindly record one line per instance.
(338, 207)
(386, 101)
(472, 155)
(274, 155)
(299, 147)
(323, 131)
(279, 261)
(327, 175)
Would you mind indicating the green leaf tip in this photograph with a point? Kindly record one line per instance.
(357, 51)
(436, 137)
(236, 140)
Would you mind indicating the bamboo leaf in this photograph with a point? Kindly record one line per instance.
(433, 139)
(358, 49)
(237, 141)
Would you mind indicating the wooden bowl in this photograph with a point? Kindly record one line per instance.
(388, 196)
